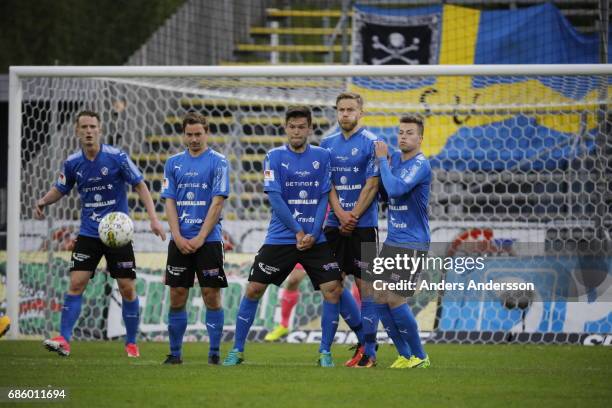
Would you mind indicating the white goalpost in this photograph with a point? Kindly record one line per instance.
(521, 150)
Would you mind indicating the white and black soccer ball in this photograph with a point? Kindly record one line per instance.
(116, 229)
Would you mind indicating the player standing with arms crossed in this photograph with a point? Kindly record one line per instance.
(353, 219)
(297, 180)
(196, 184)
(407, 180)
(100, 173)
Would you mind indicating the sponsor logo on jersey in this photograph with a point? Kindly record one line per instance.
(312, 201)
(101, 203)
(190, 195)
(94, 179)
(188, 185)
(340, 169)
(98, 197)
(285, 165)
(343, 179)
(190, 202)
(96, 188)
(268, 175)
(183, 219)
(193, 221)
(349, 187)
(397, 224)
(302, 173)
(303, 194)
(342, 158)
(191, 173)
(355, 169)
(301, 183)
(308, 220)
(398, 207)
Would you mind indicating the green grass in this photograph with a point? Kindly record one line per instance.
(99, 374)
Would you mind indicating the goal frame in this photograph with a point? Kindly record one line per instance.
(16, 73)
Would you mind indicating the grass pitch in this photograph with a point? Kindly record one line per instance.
(98, 374)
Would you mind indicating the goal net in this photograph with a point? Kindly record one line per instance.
(521, 160)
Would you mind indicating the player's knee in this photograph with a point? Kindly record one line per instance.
(127, 288)
(332, 291)
(178, 298)
(212, 298)
(255, 292)
(77, 287)
(78, 282)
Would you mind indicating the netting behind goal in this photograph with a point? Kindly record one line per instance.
(519, 161)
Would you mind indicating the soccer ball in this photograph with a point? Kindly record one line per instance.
(116, 229)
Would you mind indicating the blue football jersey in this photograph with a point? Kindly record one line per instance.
(353, 161)
(301, 179)
(101, 184)
(408, 221)
(192, 182)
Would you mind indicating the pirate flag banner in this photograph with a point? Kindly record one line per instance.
(409, 37)
(447, 34)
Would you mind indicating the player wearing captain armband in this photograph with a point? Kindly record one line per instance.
(100, 173)
(297, 181)
(406, 180)
(196, 184)
(353, 220)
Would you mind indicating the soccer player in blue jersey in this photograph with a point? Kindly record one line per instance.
(196, 184)
(353, 219)
(100, 173)
(297, 181)
(406, 180)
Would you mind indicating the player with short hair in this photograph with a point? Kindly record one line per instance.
(297, 181)
(406, 180)
(100, 173)
(353, 220)
(196, 184)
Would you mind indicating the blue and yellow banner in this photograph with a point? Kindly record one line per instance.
(482, 123)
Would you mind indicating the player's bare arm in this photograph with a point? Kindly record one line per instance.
(182, 244)
(52, 196)
(145, 196)
(212, 218)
